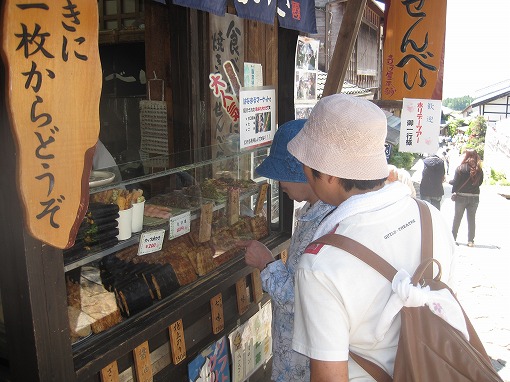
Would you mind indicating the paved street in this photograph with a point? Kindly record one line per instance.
(483, 272)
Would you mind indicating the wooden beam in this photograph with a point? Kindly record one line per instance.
(347, 34)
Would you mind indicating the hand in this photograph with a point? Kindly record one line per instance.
(257, 254)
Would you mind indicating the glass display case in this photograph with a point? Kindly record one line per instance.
(185, 249)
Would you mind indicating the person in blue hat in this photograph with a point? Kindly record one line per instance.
(278, 277)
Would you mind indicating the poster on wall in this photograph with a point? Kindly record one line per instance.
(257, 116)
(212, 364)
(420, 125)
(251, 344)
(305, 76)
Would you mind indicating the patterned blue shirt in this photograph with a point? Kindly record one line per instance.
(278, 281)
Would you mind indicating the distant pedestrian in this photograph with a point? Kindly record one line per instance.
(466, 188)
(446, 159)
(433, 176)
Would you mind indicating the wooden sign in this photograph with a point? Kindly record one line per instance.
(284, 255)
(218, 323)
(233, 205)
(242, 296)
(256, 284)
(50, 51)
(414, 46)
(110, 373)
(143, 364)
(204, 231)
(261, 198)
(177, 343)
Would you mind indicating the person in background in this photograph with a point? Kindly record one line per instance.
(278, 277)
(341, 303)
(446, 159)
(401, 175)
(431, 187)
(466, 187)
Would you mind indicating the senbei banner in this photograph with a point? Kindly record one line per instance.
(413, 54)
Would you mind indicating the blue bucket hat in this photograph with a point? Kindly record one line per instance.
(280, 165)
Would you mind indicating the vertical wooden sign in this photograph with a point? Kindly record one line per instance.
(233, 205)
(217, 319)
(261, 198)
(242, 296)
(110, 373)
(177, 343)
(51, 56)
(204, 231)
(256, 284)
(143, 364)
(284, 255)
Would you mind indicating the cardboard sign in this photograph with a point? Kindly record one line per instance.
(52, 62)
(151, 241)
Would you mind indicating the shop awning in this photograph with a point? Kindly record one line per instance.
(297, 14)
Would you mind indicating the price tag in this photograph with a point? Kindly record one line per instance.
(151, 241)
(177, 343)
(143, 365)
(217, 314)
(110, 373)
(242, 296)
(256, 284)
(179, 225)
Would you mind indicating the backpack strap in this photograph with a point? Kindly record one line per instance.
(387, 270)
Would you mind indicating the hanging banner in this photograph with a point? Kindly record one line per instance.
(257, 116)
(413, 53)
(298, 15)
(263, 11)
(52, 64)
(226, 36)
(420, 124)
(216, 7)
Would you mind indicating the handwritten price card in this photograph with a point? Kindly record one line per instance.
(143, 366)
(217, 314)
(151, 241)
(110, 373)
(179, 225)
(178, 346)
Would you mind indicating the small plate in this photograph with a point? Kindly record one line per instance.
(100, 178)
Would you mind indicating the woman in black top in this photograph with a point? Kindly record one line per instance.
(466, 186)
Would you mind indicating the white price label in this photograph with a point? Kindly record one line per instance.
(151, 241)
(179, 225)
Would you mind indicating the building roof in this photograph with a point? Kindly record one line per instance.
(347, 87)
(491, 93)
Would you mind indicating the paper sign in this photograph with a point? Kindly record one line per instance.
(151, 241)
(179, 225)
(420, 125)
(257, 109)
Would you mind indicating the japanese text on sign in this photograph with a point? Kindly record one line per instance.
(179, 225)
(151, 241)
(419, 130)
(257, 116)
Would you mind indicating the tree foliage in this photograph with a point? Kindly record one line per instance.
(459, 103)
(401, 159)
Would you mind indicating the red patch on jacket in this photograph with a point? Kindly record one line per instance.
(314, 248)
